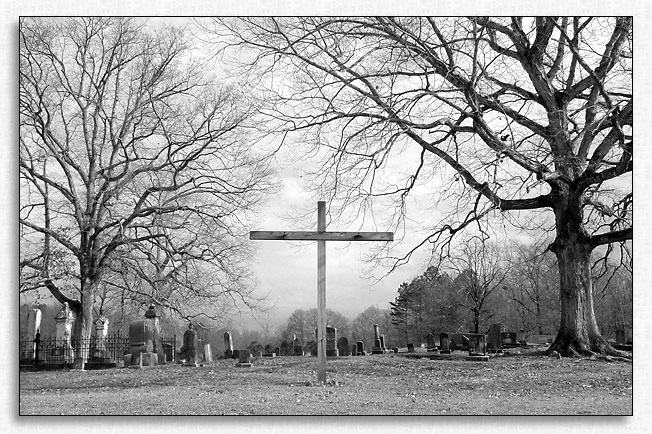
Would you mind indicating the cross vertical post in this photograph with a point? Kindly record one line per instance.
(321, 236)
(321, 293)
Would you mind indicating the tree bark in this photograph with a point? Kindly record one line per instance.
(578, 333)
(83, 327)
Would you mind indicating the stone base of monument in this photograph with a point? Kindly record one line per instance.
(141, 360)
(243, 365)
(477, 358)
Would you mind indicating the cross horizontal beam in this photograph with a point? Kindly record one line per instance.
(321, 236)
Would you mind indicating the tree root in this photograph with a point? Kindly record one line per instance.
(601, 351)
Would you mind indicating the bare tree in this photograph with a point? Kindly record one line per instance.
(504, 117)
(533, 285)
(481, 273)
(133, 162)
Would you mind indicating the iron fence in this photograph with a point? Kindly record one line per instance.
(51, 351)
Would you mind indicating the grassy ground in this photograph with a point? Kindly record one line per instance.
(381, 384)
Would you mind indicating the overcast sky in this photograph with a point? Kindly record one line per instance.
(287, 270)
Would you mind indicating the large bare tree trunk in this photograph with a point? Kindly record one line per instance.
(83, 327)
(578, 333)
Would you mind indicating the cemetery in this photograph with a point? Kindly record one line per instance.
(440, 376)
(181, 182)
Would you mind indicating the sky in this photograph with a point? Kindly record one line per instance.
(287, 270)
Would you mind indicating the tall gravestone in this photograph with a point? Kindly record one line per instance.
(430, 341)
(297, 347)
(495, 338)
(228, 345)
(378, 344)
(360, 348)
(621, 336)
(63, 352)
(208, 353)
(331, 342)
(444, 343)
(33, 328)
(188, 351)
(101, 334)
(343, 346)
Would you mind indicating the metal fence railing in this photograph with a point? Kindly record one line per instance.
(51, 351)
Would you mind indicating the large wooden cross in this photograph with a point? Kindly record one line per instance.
(321, 236)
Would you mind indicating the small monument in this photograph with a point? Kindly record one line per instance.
(145, 347)
(33, 328)
(495, 339)
(208, 353)
(444, 343)
(228, 345)
(378, 347)
(331, 342)
(188, 351)
(477, 347)
(297, 347)
(63, 352)
(343, 346)
(360, 349)
(430, 342)
(101, 333)
(621, 336)
(244, 359)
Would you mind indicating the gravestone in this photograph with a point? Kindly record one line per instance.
(360, 348)
(298, 350)
(410, 348)
(354, 350)
(521, 338)
(145, 341)
(244, 359)
(495, 338)
(188, 350)
(33, 328)
(430, 342)
(208, 353)
(444, 347)
(343, 346)
(378, 347)
(101, 332)
(477, 344)
(620, 337)
(331, 342)
(382, 342)
(63, 352)
(297, 347)
(228, 345)
(509, 338)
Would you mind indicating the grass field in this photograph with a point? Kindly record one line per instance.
(523, 384)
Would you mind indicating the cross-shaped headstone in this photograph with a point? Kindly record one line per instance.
(321, 236)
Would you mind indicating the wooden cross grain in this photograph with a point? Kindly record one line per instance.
(321, 236)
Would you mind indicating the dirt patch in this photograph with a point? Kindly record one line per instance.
(379, 384)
